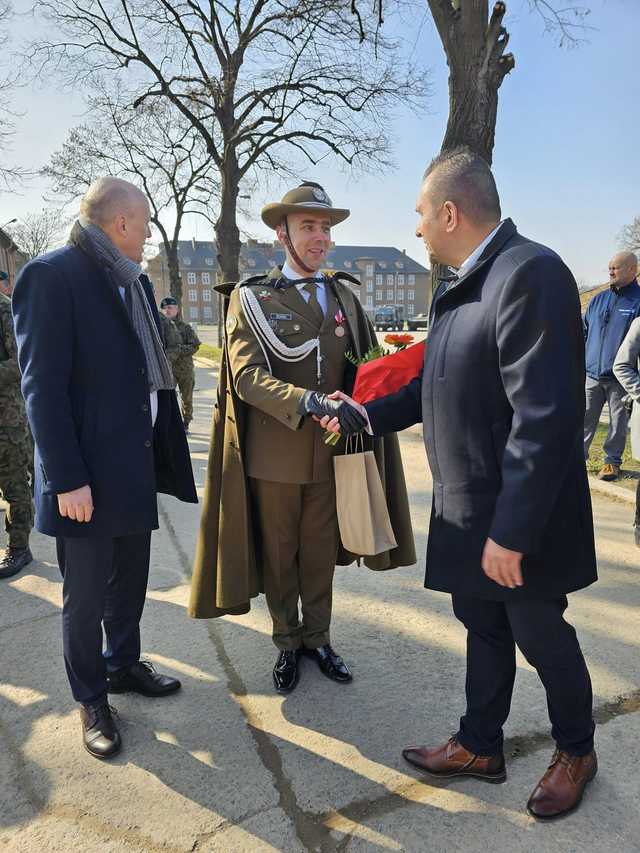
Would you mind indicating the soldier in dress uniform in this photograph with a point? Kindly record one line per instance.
(15, 449)
(287, 335)
(180, 348)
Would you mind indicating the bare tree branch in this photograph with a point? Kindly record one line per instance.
(629, 237)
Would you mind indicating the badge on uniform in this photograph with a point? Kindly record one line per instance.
(280, 317)
(264, 294)
(339, 330)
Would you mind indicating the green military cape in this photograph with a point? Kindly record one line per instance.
(227, 570)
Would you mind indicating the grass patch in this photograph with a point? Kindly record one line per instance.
(630, 470)
(207, 351)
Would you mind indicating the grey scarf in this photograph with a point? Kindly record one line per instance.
(126, 273)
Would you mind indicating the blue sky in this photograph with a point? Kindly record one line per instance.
(567, 157)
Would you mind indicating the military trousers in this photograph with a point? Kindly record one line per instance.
(186, 379)
(16, 461)
(298, 532)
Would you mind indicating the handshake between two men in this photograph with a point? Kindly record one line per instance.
(336, 412)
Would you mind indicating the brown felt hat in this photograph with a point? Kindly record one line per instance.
(307, 198)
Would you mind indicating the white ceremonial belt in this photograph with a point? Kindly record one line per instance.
(267, 338)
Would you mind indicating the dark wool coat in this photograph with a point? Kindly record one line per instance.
(227, 572)
(502, 403)
(84, 380)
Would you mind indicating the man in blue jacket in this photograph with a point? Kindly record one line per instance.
(108, 434)
(606, 323)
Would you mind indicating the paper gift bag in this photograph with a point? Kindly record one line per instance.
(363, 517)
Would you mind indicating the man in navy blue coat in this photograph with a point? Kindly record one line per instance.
(108, 436)
(501, 398)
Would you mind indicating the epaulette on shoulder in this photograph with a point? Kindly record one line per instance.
(254, 279)
(345, 276)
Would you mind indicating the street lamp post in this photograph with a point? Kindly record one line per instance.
(10, 222)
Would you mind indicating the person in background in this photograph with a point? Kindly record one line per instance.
(606, 322)
(626, 369)
(15, 447)
(180, 350)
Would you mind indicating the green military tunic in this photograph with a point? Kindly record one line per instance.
(16, 449)
(181, 360)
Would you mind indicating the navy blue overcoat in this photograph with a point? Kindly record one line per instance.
(84, 380)
(502, 402)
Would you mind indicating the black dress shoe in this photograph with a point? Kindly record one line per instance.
(330, 663)
(100, 734)
(285, 672)
(141, 678)
(14, 561)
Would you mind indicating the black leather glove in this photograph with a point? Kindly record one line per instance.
(350, 419)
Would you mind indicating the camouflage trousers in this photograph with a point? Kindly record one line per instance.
(16, 463)
(186, 379)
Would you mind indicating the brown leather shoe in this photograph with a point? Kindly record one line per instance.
(452, 759)
(562, 786)
(609, 472)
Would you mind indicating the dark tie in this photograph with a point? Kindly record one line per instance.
(312, 289)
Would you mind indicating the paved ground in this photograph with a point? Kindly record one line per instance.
(227, 765)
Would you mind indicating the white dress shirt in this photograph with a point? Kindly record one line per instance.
(153, 396)
(289, 273)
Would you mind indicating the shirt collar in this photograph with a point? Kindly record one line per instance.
(289, 273)
(466, 265)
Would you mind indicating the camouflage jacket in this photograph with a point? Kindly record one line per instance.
(189, 341)
(12, 411)
(171, 339)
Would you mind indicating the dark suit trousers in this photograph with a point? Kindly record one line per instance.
(549, 644)
(105, 583)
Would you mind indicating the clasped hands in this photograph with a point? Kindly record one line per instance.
(335, 412)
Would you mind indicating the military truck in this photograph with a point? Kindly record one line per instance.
(389, 318)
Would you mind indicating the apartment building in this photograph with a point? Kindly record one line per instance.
(387, 276)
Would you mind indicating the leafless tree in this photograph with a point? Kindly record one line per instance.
(630, 236)
(268, 84)
(154, 148)
(37, 233)
(9, 175)
(475, 42)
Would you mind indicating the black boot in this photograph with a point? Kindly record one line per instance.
(141, 678)
(99, 732)
(285, 672)
(14, 561)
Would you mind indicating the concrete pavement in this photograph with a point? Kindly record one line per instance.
(227, 765)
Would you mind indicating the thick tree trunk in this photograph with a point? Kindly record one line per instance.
(474, 48)
(226, 228)
(175, 279)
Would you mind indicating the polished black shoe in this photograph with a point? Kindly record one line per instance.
(14, 561)
(330, 663)
(100, 734)
(141, 678)
(285, 672)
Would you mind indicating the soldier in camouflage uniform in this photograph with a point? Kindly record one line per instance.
(181, 344)
(15, 450)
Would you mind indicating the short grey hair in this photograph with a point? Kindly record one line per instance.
(106, 198)
(465, 178)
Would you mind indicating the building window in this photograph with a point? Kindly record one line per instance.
(186, 262)
(206, 278)
(411, 279)
(369, 301)
(400, 280)
(369, 269)
(369, 287)
(206, 296)
(379, 280)
(193, 296)
(400, 296)
(390, 280)
(412, 295)
(191, 278)
(193, 313)
(208, 312)
(378, 295)
(390, 294)
(208, 262)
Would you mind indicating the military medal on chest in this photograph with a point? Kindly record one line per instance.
(339, 330)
